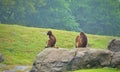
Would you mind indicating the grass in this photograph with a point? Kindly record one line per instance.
(99, 70)
(19, 44)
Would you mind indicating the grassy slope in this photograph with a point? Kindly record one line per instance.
(19, 45)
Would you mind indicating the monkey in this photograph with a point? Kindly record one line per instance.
(81, 40)
(52, 40)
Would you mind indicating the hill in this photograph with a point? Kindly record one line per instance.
(19, 44)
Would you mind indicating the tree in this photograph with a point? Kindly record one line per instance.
(97, 16)
(91, 16)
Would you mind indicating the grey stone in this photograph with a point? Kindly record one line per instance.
(114, 45)
(89, 58)
(62, 60)
(52, 60)
(116, 60)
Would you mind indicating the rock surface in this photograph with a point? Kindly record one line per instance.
(62, 60)
(1, 58)
(114, 45)
(89, 58)
(115, 60)
(52, 60)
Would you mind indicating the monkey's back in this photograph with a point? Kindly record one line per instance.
(53, 40)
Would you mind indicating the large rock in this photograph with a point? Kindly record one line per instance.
(116, 60)
(114, 45)
(52, 60)
(62, 60)
(1, 58)
(89, 58)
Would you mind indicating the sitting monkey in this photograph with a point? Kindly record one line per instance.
(81, 40)
(52, 40)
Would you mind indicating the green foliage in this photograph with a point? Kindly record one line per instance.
(38, 13)
(91, 16)
(97, 16)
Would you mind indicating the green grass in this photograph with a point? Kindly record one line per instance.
(19, 44)
(99, 70)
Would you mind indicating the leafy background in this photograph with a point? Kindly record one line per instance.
(91, 16)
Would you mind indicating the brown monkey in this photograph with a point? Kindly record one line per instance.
(52, 40)
(81, 40)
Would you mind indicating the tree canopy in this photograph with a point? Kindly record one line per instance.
(91, 16)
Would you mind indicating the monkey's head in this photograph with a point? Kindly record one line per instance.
(49, 33)
(81, 33)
